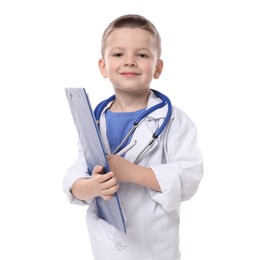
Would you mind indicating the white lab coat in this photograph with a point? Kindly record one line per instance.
(152, 218)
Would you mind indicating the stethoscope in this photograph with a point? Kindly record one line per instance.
(164, 101)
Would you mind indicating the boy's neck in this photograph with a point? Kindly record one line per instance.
(129, 102)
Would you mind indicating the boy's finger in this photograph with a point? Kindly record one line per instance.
(104, 177)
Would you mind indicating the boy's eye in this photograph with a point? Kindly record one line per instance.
(118, 54)
(142, 55)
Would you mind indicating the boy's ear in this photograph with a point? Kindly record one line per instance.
(102, 68)
(159, 68)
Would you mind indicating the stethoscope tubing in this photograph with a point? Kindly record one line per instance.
(165, 101)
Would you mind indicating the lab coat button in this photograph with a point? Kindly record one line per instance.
(120, 246)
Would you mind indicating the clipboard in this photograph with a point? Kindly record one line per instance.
(94, 152)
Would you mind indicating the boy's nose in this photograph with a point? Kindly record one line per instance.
(129, 61)
(129, 64)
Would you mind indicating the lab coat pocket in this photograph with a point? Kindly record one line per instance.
(99, 230)
(106, 229)
(101, 239)
(115, 238)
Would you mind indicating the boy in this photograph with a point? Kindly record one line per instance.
(151, 186)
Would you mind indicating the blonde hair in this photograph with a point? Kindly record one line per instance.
(131, 21)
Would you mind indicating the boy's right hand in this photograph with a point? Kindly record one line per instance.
(105, 184)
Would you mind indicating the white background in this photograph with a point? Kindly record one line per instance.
(214, 70)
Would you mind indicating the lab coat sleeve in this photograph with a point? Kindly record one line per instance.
(75, 172)
(180, 175)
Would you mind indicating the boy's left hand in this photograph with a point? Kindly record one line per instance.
(121, 167)
(126, 171)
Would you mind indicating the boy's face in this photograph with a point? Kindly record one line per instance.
(131, 59)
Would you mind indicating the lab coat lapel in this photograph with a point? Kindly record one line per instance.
(103, 130)
(144, 133)
(142, 136)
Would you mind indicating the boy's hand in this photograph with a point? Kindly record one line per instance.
(105, 184)
(126, 171)
(121, 167)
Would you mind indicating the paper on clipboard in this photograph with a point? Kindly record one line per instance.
(93, 149)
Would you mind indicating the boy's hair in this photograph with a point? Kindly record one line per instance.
(131, 21)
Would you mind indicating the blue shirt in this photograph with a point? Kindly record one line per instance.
(118, 125)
